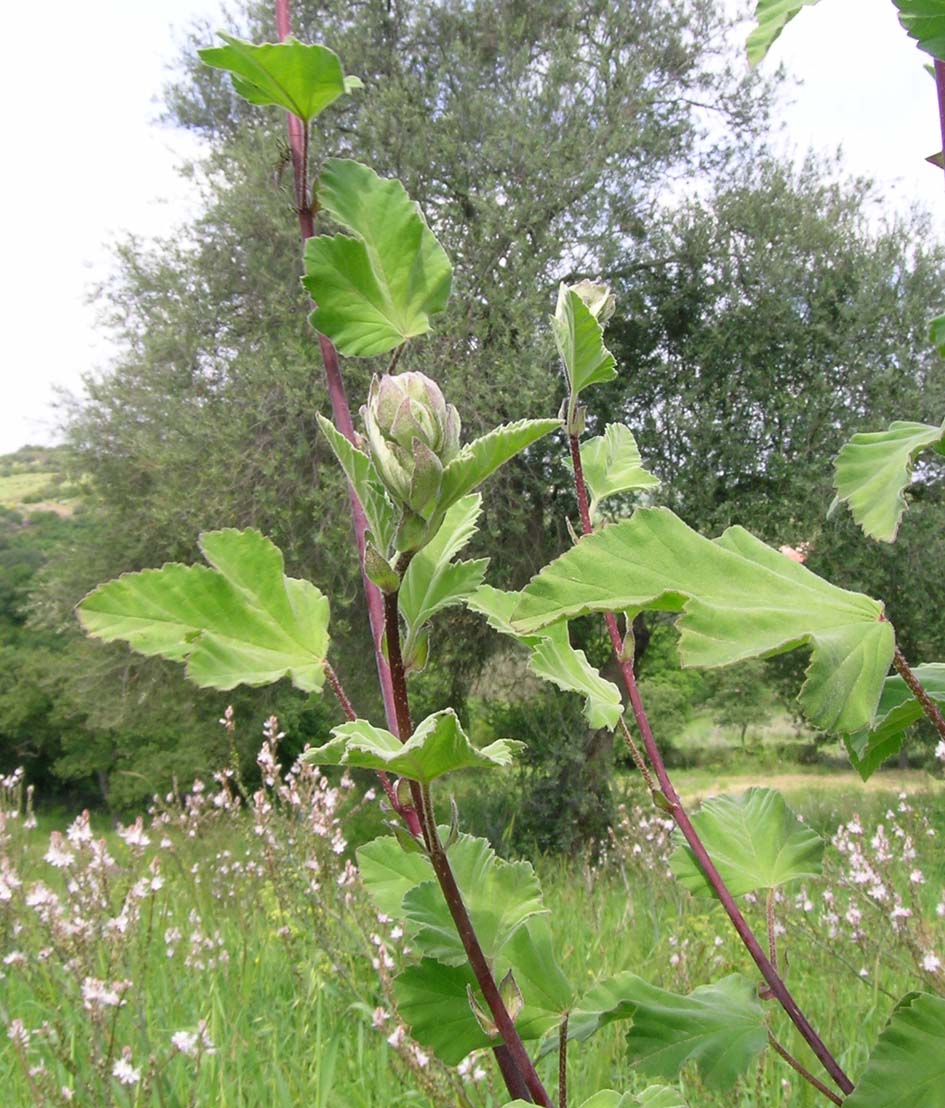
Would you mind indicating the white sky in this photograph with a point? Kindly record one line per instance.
(86, 160)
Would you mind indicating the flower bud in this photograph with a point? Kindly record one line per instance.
(412, 433)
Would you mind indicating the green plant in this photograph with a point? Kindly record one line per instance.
(488, 976)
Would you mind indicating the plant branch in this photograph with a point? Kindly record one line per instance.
(341, 412)
(802, 1070)
(940, 88)
(689, 833)
(931, 709)
(563, 1063)
(772, 924)
(423, 803)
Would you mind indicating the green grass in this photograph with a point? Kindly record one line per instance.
(17, 488)
(289, 1009)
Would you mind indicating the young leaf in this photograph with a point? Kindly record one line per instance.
(483, 456)
(432, 582)
(739, 599)
(874, 469)
(499, 896)
(898, 710)
(379, 288)
(241, 623)
(580, 341)
(302, 79)
(439, 745)
(360, 471)
(771, 16)
(907, 1066)
(612, 464)
(756, 842)
(924, 20)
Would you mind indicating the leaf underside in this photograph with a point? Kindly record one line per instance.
(580, 341)
(924, 20)
(874, 469)
(755, 841)
(771, 17)
(739, 599)
(243, 622)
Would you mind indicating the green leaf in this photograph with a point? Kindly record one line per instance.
(874, 469)
(483, 456)
(898, 710)
(531, 954)
(580, 341)
(555, 659)
(389, 873)
(379, 288)
(360, 471)
(432, 999)
(612, 464)
(432, 582)
(499, 896)
(661, 1096)
(907, 1066)
(438, 745)
(739, 598)
(771, 16)
(302, 79)
(241, 623)
(924, 20)
(756, 842)
(720, 1026)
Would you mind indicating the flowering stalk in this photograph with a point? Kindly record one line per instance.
(778, 988)
(298, 146)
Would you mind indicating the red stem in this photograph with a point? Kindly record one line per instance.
(770, 974)
(444, 873)
(298, 146)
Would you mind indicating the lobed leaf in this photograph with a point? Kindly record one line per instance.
(756, 842)
(553, 658)
(483, 456)
(438, 746)
(243, 622)
(377, 287)
(907, 1066)
(612, 464)
(739, 599)
(389, 873)
(771, 17)
(363, 478)
(924, 20)
(580, 341)
(302, 79)
(873, 470)
(720, 1026)
(898, 710)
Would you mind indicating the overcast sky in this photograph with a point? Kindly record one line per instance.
(86, 161)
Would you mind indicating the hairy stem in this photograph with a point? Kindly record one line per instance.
(341, 412)
(772, 924)
(423, 802)
(563, 1063)
(802, 1070)
(931, 709)
(689, 833)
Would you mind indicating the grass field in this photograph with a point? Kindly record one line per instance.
(220, 953)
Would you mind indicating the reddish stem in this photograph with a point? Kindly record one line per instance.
(681, 818)
(444, 873)
(927, 704)
(341, 412)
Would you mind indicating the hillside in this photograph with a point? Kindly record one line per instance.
(34, 479)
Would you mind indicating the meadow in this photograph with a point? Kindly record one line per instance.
(213, 950)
